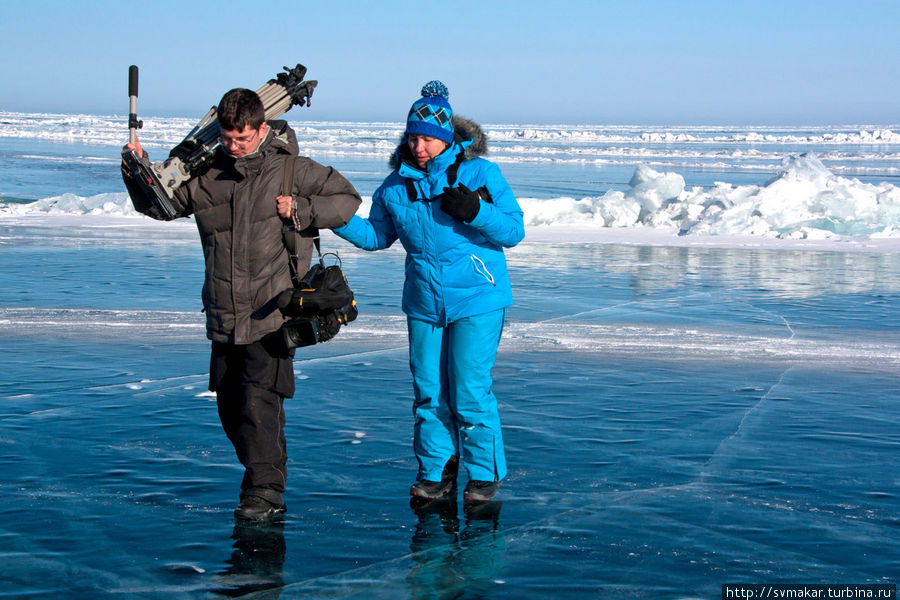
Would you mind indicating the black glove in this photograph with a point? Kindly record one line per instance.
(460, 203)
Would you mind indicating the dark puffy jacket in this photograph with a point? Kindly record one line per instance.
(233, 203)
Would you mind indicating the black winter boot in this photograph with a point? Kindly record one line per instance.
(480, 491)
(254, 508)
(434, 490)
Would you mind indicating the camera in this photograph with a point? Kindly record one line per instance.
(306, 331)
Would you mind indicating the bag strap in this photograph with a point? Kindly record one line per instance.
(288, 232)
(452, 174)
(453, 170)
(287, 176)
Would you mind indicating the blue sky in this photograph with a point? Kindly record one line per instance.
(618, 62)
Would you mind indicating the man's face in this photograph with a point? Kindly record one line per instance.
(424, 148)
(242, 142)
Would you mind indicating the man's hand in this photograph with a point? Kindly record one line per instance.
(296, 209)
(285, 206)
(135, 146)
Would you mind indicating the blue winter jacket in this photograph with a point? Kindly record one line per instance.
(453, 269)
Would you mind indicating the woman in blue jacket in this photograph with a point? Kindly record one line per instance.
(454, 213)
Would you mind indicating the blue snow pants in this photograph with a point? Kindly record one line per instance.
(455, 408)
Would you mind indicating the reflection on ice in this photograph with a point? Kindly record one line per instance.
(451, 562)
(649, 268)
(256, 563)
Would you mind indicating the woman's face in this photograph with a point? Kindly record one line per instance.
(424, 148)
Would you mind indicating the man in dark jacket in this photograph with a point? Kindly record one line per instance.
(247, 265)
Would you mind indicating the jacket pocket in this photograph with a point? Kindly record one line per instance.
(482, 269)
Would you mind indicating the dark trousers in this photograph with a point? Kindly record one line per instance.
(251, 382)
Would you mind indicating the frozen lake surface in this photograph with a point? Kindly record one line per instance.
(678, 414)
(676, 419)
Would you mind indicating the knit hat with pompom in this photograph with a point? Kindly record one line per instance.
(431, 114)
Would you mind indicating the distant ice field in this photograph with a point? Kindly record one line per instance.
(771, 182)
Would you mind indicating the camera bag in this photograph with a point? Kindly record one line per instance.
(321, 300)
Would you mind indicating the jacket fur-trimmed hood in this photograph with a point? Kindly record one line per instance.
(464, 129)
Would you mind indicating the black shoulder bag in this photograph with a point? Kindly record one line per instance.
(320, 301)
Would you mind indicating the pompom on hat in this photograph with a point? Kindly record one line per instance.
(431, 114)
